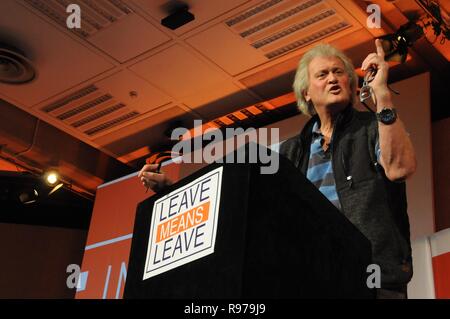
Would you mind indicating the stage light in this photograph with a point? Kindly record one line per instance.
(28, 196)
(51, 178)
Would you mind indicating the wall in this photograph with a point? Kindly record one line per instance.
(35, 259)
(414, 108)
(441, 166)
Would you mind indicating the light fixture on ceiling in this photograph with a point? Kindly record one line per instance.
(15, 68)
(53, 180)
(178, 16)
(51, 177)
(19, 187)
(28, 195)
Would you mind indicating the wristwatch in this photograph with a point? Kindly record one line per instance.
(387, 116)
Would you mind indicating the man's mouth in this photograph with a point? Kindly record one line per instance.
(335, 89)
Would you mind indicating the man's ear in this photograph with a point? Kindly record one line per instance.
(306, 95)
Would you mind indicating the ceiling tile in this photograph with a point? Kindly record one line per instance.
(227, 49)
(135, 92)
(221, 98)
(178, 72)
(128, 38)
(61, 61)
(149, 131)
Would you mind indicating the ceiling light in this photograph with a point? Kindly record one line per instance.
(51, 178)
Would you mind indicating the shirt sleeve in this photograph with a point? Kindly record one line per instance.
(377, 150)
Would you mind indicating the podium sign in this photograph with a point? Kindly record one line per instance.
(184, 224)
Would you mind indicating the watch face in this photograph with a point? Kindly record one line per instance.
(387, 116)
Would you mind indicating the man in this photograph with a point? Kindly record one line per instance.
(358, 160)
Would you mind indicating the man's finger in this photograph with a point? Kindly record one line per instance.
(368, 58)
(151, 167)
(370, 63)
(148, 168)
(156, 177)
(151, 184)
(380, 50)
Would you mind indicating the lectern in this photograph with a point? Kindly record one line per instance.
(228, 231)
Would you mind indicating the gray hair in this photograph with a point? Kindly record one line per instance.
(301, 82)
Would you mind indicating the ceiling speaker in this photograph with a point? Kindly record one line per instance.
(15, 68)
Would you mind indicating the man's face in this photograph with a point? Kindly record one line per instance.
(329, 84)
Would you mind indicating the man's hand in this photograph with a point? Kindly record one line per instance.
(376, 61)
(397, 152)
(152, 179)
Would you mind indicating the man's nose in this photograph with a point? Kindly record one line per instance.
(332, 78)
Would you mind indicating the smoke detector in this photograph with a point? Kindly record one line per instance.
(15, 68)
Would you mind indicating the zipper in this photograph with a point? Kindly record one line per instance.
(349, 178)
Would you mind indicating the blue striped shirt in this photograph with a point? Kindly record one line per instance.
(320, 170)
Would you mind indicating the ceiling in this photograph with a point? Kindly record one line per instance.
(106, 95)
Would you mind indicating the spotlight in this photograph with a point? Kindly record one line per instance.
(396, 45)
(51, 178)
(179, 16)
(28, 196)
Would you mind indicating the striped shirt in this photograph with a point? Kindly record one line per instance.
(320, 170)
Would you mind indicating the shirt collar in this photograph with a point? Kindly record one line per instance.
(316, 130)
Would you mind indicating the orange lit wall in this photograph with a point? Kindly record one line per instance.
(35, 259)
(108, 244)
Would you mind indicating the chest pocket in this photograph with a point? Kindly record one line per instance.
(355, 159)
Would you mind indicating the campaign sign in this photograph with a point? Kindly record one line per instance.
(184, 224)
